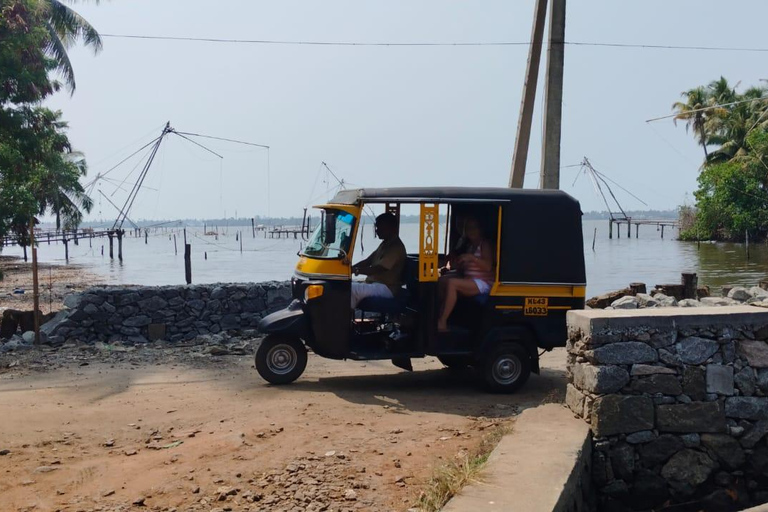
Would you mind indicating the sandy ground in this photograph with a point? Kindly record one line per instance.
(117, 431)
(55, 281)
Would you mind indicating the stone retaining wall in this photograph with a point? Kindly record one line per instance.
(677, 401)
(172, 313)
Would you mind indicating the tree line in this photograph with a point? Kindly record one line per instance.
(40, 171)
(732, 129)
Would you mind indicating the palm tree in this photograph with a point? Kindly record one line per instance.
(691, 112)
(730, 126)
(65, 28)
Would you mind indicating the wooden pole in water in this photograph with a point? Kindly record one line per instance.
(185, 236)
(253, 227)
(241, 242)
(120, 234)
(746, 232)
(110, 234)
(35, 283)
(662, 231)
(188, 263)
(594, 237)
(610, 229)
(74, 233)
(175, 249)
(637, 230)
(146, 236)
(66, 249)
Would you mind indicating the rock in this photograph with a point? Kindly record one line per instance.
(72, 301)
(720, 379)
(660, 450)
(748, 408)
(617, 488)
(669, 358)
(137, 321)
(694, 350)
(739, 293)
(755, 434)
(694, 382)
(690, 303)
(665, 301)
(754, 351)
(659, 383)
(218, 350)
(762, 380)
(691, 440)
(628, 352)
(599, 379)
(139, 502)
(758, 461)
(51, 325)
(623, 461)
(726, 448)
(574, 399)
(688, 469)
(641, 437)
(350, 495)
(717, 301)
(45, 469)
(649, 490)
(646, 369)
(617, 414)
(28, 337)
(627, 302)
(693, 417)
(758, 292)
(4, 452)
(646, 301)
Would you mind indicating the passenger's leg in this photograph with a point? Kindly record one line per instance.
(454, 288)
(362, 290)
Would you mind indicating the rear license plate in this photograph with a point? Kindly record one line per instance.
(536, 306)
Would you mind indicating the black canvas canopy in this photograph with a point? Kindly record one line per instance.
(541, 235)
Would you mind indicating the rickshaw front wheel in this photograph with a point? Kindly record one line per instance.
(281, 360)
(506, 368)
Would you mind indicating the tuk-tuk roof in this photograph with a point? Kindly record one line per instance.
(443, 195)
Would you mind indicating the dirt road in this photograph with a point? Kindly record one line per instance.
(121, 435)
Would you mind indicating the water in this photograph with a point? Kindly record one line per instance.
(613, 264)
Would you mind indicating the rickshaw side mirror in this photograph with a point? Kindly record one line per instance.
(330, 229)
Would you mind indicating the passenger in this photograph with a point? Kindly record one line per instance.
(384, 267)
(470, 273)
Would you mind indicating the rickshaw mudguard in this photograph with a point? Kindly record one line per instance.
(521, 334)
(290, 321)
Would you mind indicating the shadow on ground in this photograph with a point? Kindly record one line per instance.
(439, 390)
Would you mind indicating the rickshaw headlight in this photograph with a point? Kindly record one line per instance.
(313, 291)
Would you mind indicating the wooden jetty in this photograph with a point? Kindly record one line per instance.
(619, 222)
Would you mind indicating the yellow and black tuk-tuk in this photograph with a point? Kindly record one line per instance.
(539, 276)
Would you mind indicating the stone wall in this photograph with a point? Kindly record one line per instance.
(677, 401)
(172, 313)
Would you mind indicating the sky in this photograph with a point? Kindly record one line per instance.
(387, 116)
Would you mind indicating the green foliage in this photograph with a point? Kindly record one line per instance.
(39, 172)
(732, 198)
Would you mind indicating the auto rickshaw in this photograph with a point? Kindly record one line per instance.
(539, 276)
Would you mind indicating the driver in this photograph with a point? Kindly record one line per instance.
(384, 267)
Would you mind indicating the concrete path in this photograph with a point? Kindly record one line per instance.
(536, 468)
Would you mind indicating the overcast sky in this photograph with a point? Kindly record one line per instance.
(389, 116)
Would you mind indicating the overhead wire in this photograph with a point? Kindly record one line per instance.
(431, 44)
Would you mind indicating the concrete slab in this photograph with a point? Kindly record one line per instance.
(595, 320)
(536, 468)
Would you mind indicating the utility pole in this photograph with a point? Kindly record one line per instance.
(520, 156)
(553, 106)
(35, 283)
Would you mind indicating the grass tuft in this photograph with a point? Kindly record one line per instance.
(450, 478)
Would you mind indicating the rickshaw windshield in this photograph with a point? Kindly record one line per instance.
(333, 236)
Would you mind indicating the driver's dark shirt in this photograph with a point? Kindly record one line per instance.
(391, 255)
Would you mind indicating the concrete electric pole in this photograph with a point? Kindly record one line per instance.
(550, 163)
(553, 106)
(520, 156)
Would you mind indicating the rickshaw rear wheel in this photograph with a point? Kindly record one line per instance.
(506, 368)
(281, 360)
